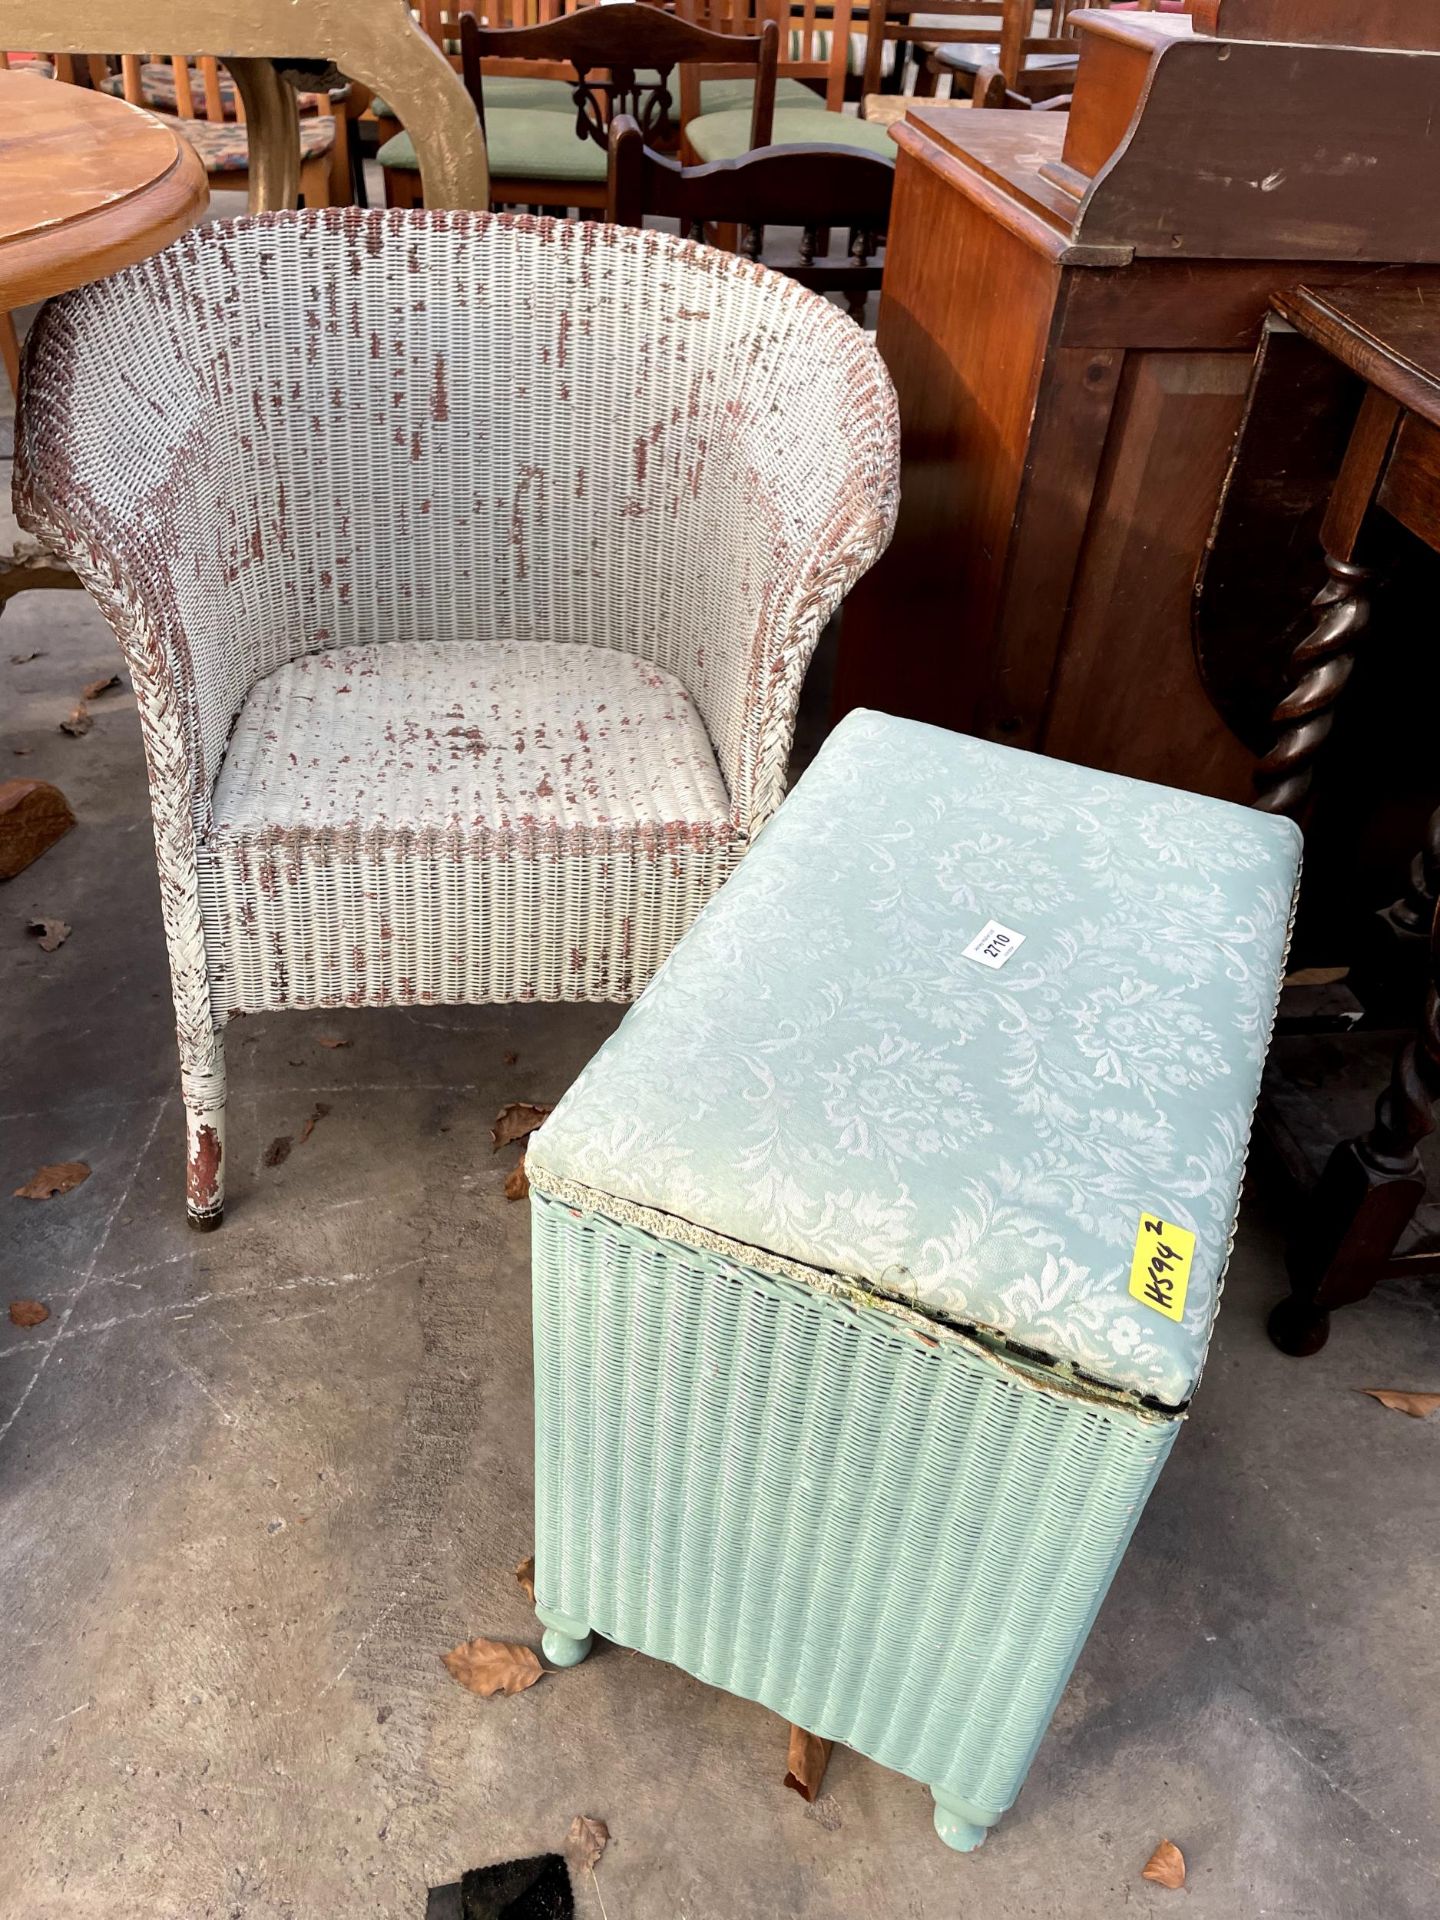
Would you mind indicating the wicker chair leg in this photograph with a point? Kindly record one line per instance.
(566, 1641)
(204, 1094)
(959, 1823)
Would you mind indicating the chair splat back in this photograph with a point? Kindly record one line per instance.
(814, 36)
(814, 188)
(622, 57)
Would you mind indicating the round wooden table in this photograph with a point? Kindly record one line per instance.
(88, 184)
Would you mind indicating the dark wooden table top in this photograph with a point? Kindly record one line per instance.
(1388, 333)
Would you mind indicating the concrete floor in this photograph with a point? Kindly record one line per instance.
(252, 1485)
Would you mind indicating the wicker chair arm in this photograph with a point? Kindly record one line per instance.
(820, 511)
(125, 524)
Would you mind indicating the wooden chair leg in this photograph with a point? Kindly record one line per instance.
(10, 352)
(1368, 1193)
(315, 181)
(1371, 1185)
(341, 172)
(402, 187)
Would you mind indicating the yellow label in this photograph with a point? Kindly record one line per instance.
(1160, 1269)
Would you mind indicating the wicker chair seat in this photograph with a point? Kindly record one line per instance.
(509, 741)
(406, 774)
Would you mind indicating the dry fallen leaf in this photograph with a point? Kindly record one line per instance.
(589, 1837)
(321, 1109)
(515, 1122)
(1166, 1866)
(1419, 1406)
(48, 1181)
(517, 1181)
(806, 1762)
(97, 687)
(80, 721)
(334, 1040)
(278, 1151)
(28, 1313)
(493, 1666)
(525, 1574)
(53, 933)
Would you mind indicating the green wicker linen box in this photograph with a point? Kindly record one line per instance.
(876, 1254)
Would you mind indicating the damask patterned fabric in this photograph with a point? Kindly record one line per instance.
(821, 1072)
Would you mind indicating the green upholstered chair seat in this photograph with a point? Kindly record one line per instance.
(525, 143)
(724, 136)
(508, 90)
(725, 96)
(554, 96)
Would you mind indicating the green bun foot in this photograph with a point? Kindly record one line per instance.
(566, 1641)
(565, 1649)
(959, 1824)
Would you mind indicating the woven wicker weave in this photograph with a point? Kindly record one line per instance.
(893, 1538)
(406, 438)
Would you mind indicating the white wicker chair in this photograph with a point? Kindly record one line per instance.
(467, 568)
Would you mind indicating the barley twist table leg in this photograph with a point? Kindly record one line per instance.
(1319, 668)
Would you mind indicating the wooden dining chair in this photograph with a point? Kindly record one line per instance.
(529, 86)
(895, 38)
(214, 97)
(378, 46)
(814, 188)
(618, 57)
(1039, 65)
(816, 54)
(1035, 64)
(76, 69)
(211, 114)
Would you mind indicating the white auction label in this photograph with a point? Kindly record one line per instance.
(994, 944)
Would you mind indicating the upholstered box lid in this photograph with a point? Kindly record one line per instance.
(974, 1029)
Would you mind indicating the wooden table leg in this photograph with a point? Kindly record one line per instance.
(1321, 664)
(1319, 668)
(272, 126)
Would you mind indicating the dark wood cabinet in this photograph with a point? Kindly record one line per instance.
(1071, 311)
